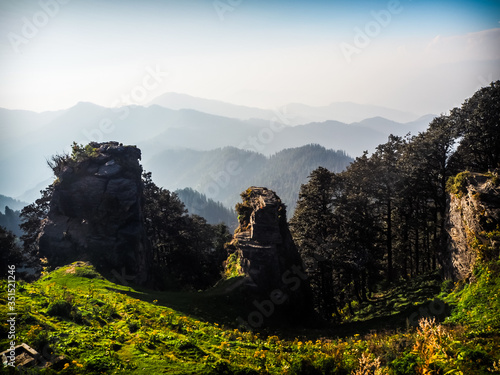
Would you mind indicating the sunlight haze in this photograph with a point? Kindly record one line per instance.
(55, 54)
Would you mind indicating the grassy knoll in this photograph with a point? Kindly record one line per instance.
(104, 328)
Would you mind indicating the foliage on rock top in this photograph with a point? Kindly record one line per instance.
(457, 185)
(80, 152)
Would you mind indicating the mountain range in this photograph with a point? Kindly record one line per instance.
(222, 174)
(298, 114)
(29, 139)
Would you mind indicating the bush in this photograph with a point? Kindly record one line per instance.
(447, 286)
(133, 326)
(98, 364)
(304, 366)
(232, 266)
(60, 308)
(458, 185)
(405, 365)
(87, 272)
(38, 337)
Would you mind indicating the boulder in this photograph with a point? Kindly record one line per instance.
(96, 211)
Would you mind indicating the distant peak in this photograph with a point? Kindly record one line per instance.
(85, 105)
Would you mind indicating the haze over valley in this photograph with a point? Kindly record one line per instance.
(171, 134)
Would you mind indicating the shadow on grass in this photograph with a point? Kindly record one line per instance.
(398, 309)
(220, 304)
(403, 320)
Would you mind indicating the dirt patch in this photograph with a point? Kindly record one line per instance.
(72, 267)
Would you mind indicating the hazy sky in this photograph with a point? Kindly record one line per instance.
(415, 55)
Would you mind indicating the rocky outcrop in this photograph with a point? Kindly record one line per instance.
(264, 253)
(472, 223)
(96, 211)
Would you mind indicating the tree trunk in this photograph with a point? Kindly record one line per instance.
(389, 241)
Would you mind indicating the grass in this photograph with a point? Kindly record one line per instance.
(104, 328)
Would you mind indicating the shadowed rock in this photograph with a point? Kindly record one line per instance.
(266, 255)
(96, 211)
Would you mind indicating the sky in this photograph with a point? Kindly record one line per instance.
(418, 56)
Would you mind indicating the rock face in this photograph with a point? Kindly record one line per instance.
(96, 211)
(472, 224)
(264, 251)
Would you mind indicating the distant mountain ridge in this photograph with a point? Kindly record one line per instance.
(213, 212)
(298, 114)
(347, 112)
(32, 138)
(222, 174)
(12, 203)
(177, 101)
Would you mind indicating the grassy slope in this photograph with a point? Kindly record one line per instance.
(102, 327)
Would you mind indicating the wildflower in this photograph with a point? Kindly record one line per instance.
(66, 365)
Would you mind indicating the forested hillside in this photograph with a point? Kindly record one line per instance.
(213, 212)
(222, 174)
(11, 221)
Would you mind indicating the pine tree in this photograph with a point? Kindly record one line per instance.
(313, 232)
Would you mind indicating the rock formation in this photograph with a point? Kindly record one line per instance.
(96, 211)
(472, 223)
(263, 252)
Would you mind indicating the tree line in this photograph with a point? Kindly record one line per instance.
(383, 218)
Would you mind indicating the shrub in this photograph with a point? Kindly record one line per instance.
(80, 152)
(233, 267)
(87, 272)
(98, 364)
(447, 286)
(458, 185)
(38, 337)
(133, 326)
(60, 308)
(369, 365)
(405, 364)
(430, 346)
